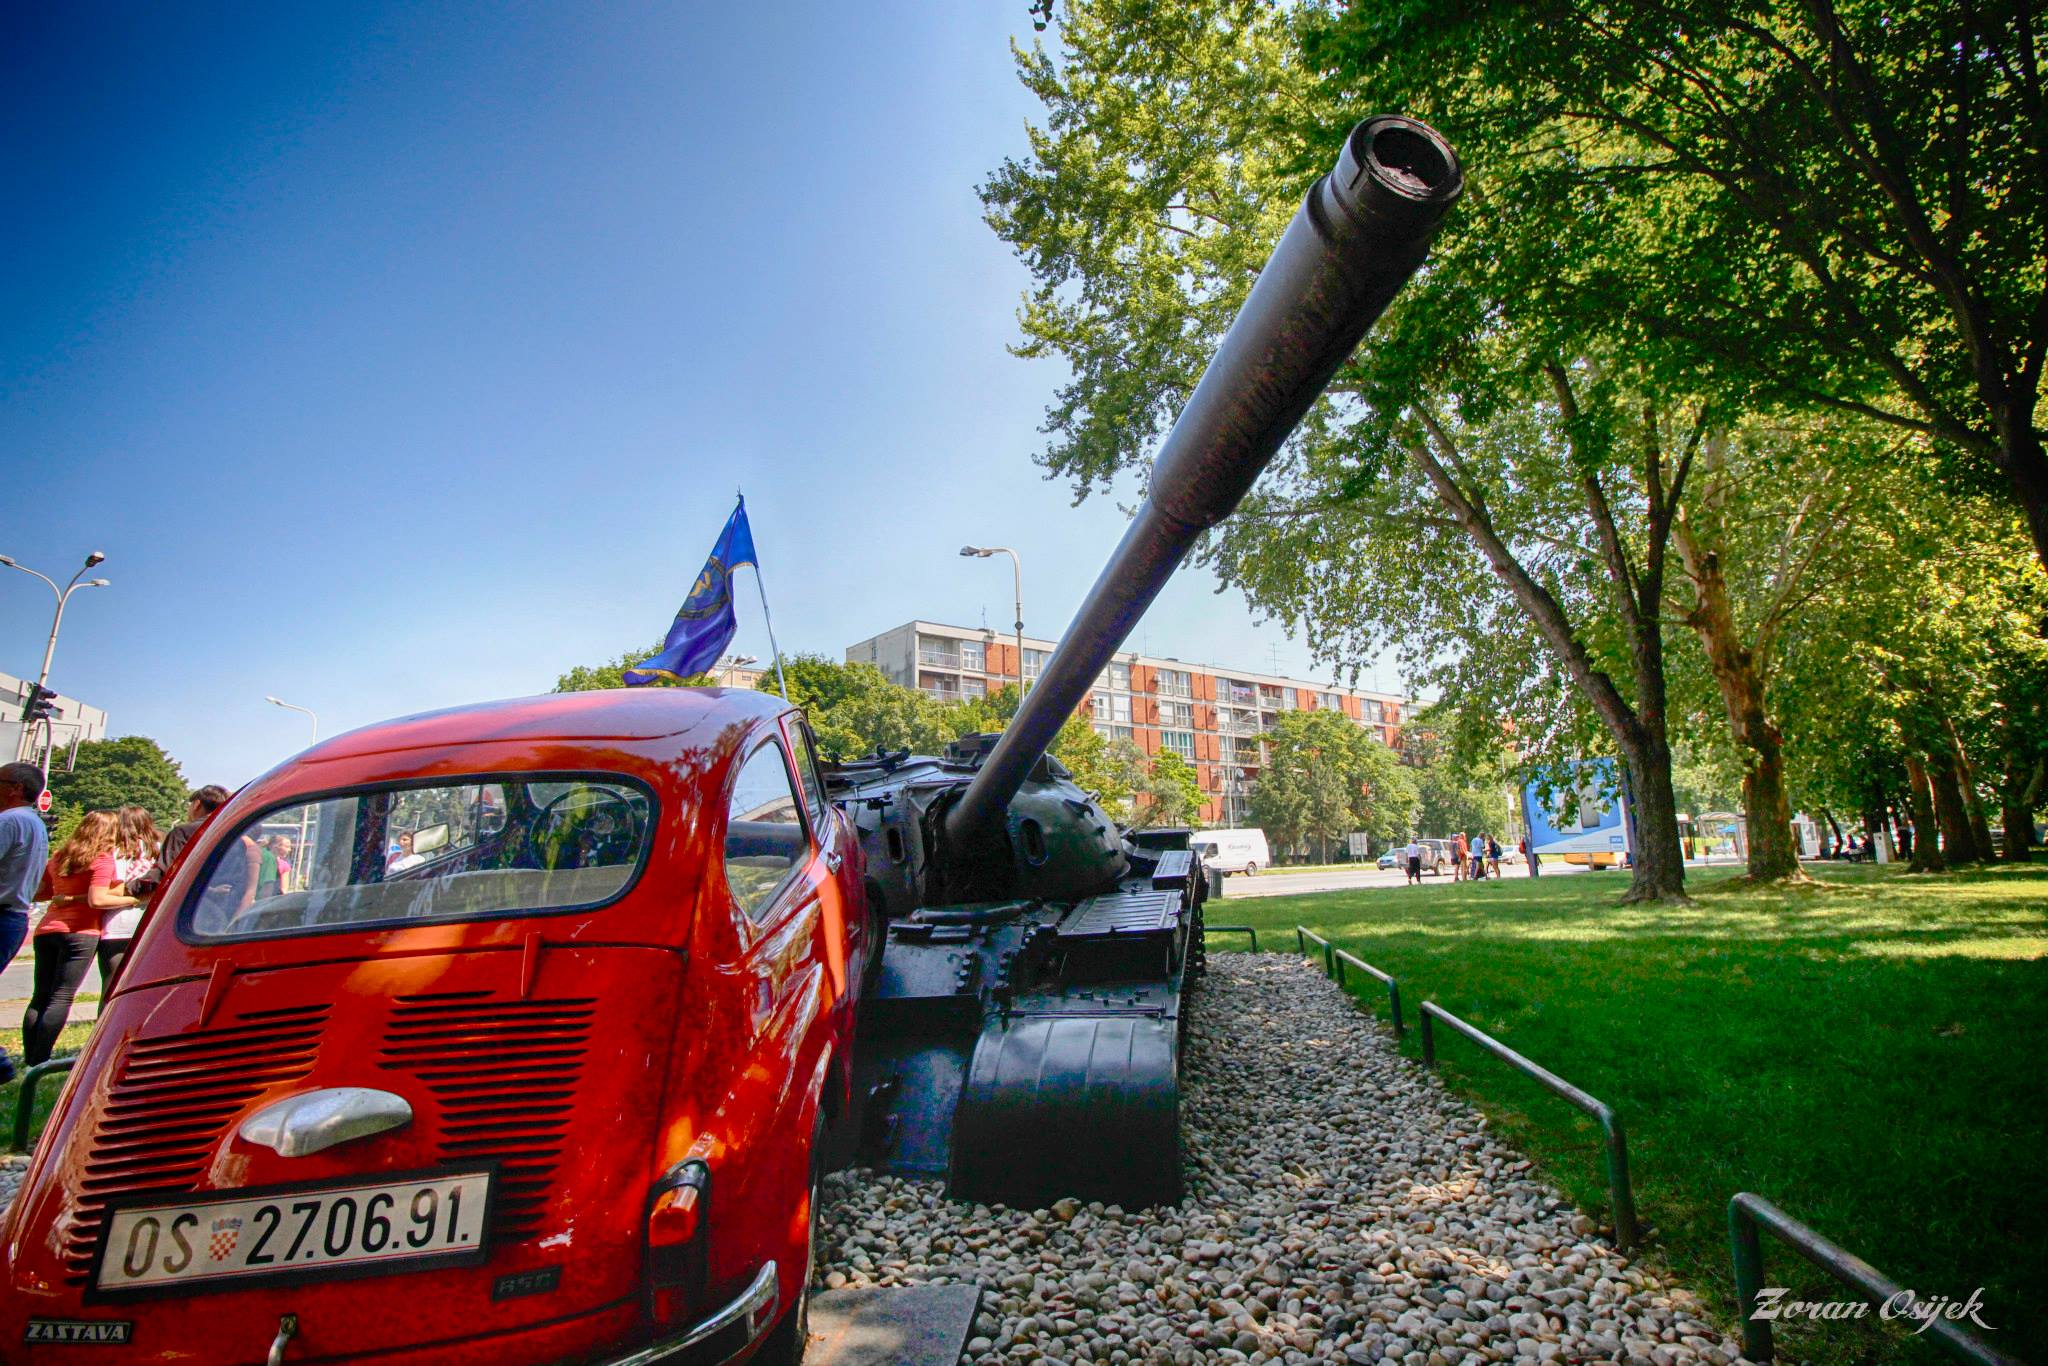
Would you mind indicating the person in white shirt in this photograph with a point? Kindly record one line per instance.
(1414, 855)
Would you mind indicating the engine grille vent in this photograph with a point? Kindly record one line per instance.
(169, 1102)
(504, 1074)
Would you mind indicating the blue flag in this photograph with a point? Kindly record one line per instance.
(705, 625)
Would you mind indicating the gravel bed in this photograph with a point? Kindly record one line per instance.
(11, 1171)
(1343, 1207)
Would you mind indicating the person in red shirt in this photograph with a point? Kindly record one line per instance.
(80, 885)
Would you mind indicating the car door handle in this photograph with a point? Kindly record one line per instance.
(833, 859)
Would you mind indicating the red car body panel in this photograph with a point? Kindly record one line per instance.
(578, 1055)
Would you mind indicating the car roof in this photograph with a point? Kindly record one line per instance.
(612, 714)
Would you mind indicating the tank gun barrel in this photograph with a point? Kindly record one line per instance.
(1359, 235)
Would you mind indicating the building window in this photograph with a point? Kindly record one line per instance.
(938, 650)
(1330, 701)
(1034, 662)
(1181, 742)
(971, 656)
(974, 687)
(1375, 710)
(1232, 690)
(1114, 732)
(1116, 678)
(1104, 707)
(1176, 683)
(1180, 714)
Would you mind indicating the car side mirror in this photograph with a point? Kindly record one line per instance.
(428, 838)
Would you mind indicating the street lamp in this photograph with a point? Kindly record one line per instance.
(293, 706)
(1017, 574)
(50, 650)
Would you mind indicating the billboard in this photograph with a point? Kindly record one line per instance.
(1588, 817)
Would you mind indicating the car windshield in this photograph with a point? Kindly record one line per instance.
(506, 845)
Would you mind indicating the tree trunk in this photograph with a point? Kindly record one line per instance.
(1957, 845)
(2026, 467)
(2019, 827)
(2018, 795)
(1973, 798)
(1773, 853)
(1926, 854)
(1659, 873)
(1874, 820)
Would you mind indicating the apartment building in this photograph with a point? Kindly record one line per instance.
(74, 723)
(1212, 716)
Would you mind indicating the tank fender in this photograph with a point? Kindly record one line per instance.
(1078, 1104)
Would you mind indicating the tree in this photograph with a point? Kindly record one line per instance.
(591, 677)
(1453, 791)
(1113, 770)
(1848, 195)
(1519, 447)
(854, 709)
(109, 774)
(1328, 778)
(1170, 794)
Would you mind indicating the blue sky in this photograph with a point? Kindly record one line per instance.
(404, 357)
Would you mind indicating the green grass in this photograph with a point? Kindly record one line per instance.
(70, 1041)
(1865, 1053)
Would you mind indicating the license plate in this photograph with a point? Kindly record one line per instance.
(307, 1232)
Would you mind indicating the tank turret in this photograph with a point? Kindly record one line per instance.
(1023, 1037)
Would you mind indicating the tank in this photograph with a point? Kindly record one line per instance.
(1023, 1038)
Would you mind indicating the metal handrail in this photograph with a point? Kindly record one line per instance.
(1618, 1189)
(1393, 987)
(25, 1102)
(1301, 937)
(1234, 929)
(1748, 1213)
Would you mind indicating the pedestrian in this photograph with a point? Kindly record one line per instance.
(198, 812)
(1478, 869)
(1458, 856)
(1414, 853)
(404, 858)
(1493, 856)
(81, 886)
(283, 846)
(269, 876)
(135, 851)
(24, 849)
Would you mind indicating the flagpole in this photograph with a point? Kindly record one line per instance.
(780, 681)
(766, 615)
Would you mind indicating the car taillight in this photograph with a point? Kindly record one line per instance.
(676, 1262)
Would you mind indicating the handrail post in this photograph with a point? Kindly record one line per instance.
(25, 1100)
(1428, 1037)
(1619, 1191)
(1748, 1253)
(1750, 1215)
(1394, 1005)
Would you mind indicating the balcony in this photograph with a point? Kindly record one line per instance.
(943, 659)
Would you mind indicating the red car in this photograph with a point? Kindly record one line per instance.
(528, 1057)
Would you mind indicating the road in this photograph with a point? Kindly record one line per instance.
(1346, 879)
(18, 979)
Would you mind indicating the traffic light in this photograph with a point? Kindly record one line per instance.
(38, 704)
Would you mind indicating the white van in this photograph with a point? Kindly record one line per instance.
(1234, 851)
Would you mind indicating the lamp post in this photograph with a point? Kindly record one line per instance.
(1017, 578)
(50, 650)
(293, 706)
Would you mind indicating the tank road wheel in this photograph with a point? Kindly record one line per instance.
(784, 1345)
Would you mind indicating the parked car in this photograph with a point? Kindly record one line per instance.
(1234, 851)
(1436, 856)
(550, 1087)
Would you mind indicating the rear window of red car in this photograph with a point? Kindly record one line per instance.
(488, 847)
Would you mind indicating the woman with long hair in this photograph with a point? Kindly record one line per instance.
(135, 849)
(81, 886)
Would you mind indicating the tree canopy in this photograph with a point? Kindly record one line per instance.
(132, 770)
